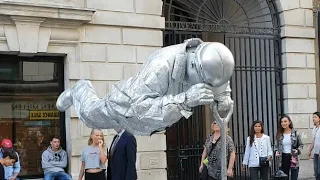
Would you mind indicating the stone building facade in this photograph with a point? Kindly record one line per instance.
(107, 41)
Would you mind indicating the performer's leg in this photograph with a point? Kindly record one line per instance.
(89, 107)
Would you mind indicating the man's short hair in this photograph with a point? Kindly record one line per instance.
(55, 137)
(11, 154)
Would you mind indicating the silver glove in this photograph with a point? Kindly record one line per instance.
(224, 102)
(199, 94)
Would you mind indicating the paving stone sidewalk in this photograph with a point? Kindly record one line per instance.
(306, 170)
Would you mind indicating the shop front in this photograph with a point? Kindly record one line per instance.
(28, 90)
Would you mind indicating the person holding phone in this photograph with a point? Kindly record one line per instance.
(94, 157)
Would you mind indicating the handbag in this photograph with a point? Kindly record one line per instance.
(204, 173)
(263, 161)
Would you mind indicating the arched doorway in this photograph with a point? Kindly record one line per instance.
(251, 30)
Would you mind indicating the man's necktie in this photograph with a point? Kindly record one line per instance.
(114, 143)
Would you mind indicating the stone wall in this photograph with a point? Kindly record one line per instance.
(113, 46)
(102, 40)
(298, 58)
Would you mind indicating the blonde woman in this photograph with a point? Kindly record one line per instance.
(94, 157)
(212, 151)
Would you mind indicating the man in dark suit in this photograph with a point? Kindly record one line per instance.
(122, 157)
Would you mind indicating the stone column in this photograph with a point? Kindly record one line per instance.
(298, 60)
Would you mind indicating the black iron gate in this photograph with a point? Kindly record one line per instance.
(256, 91)
(250, 29)
(256, 88)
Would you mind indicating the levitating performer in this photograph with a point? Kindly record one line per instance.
(173, 80)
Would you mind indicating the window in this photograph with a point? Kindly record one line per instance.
(29, 88)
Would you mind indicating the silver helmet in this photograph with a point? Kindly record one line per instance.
(214, 63)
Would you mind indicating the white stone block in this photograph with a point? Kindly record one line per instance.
(28, 33)
(4, 46)
(156, 174)
(118, 5)
(312, 91)
(78, 145)
(306, 4)
(120, 53)
(84, 131)
(298, 14)
(75, 165)
(12, 37)
(303, 106)
(142, 37)
(79, 70)
(74, 128)
(285, 5)
(101, 71)
(44, 37)
(311, 125)
(146, 143)
(300, 76)
(144, 52)
(100, 88)
(128, 19)
(311, 61)
(300, 120)
(130, 70)
(298, 45)
(93, 52)
(305, 151)
(295, 91)
(68, 50)
(309, 18)
(306, 135)
(63, 3)
(154, 160)
(294, 60)
(300, 32)
(149, 7)
(102, 34)
(2, 33)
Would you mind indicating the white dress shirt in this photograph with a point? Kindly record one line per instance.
(259, 148)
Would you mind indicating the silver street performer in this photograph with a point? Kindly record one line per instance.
(172, 81)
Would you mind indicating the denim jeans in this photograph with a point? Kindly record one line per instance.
(56, 176)
(316, 166)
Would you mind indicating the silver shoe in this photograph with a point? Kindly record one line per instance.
(65, 99)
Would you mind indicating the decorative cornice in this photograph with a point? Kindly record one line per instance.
(48, 12)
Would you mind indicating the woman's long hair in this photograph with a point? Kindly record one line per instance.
(252, 132)
(90, 141)
(280, 128)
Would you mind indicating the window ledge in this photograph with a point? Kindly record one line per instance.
(52, 12)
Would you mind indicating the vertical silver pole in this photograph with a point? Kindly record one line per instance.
(223, 122)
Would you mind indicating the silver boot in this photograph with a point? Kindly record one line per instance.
(65, 99)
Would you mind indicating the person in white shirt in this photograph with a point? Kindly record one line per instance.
(315, 146)
(258, 152)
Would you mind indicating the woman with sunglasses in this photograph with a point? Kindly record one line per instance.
(258, 152)
(212, 151)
